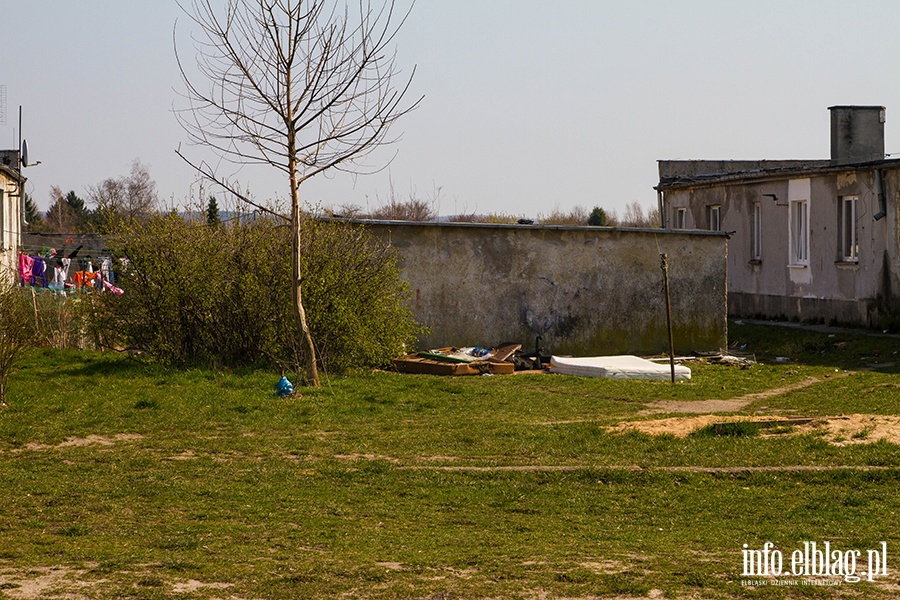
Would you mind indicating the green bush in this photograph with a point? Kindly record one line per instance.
(17, 331)
(220, 295)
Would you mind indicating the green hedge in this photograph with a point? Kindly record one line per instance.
(220, 295)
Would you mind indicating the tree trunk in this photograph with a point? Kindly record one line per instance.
(312, 372)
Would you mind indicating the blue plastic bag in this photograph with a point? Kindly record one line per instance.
(284, 388)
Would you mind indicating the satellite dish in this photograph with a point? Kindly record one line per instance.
(24, 153)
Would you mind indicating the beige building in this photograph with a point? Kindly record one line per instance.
(11, 213)
(815, 240)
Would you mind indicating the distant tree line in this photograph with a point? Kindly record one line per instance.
(131, 196)
(415, 208)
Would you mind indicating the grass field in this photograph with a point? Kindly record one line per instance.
(120, 479)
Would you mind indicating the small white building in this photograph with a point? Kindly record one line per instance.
(11, 214)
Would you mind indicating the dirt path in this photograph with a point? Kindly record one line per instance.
(713, 406)
(733, 405)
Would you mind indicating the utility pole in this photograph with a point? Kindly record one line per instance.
(664, 264)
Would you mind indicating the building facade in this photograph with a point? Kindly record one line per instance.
(11, 214)
(814, 240)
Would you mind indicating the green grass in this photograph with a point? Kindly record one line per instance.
(394, 486)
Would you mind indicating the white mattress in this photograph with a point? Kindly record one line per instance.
(617, 367)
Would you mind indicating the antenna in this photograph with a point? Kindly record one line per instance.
(23, 147)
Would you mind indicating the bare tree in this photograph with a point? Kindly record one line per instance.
(304, 86)
(60, 217)
(131, 196)
(635, 216)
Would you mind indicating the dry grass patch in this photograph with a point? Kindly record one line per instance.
(840, 430)
(80, 442)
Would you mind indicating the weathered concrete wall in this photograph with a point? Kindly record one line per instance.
(864, 292)
(586, 291)
(89, 242)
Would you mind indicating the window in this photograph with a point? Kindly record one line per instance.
(847, 229)
(680, 215)
(715, 223)
(799, 228)
(756, 232)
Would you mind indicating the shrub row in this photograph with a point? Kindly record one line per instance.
(220, 295)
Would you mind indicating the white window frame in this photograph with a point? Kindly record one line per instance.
(756, 231)
(680, 218)
(798, 226)
(847, 229)
(714, 215)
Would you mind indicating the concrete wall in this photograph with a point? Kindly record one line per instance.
(866, 292)
(66, 242)
(587, 291)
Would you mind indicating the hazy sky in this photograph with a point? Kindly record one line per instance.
(529, 106)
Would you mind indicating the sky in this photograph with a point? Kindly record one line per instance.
(528, 107)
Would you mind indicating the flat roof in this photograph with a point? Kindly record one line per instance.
(702, 180)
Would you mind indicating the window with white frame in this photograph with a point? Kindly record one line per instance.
(849, 241)
(756, 232)
(799, 231)
(680, 216)
(715, 221)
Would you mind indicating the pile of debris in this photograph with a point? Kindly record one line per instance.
(503, 360)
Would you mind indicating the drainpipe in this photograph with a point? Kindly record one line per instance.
(659, 204)
(879, 190)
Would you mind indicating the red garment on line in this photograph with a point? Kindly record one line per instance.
(25, 265)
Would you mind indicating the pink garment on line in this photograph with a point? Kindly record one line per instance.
(117, 291)
(25, 265)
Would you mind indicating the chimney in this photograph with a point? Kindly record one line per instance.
(857, 134)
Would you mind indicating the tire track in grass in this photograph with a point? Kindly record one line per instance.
(637, 468)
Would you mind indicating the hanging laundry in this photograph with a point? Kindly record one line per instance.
(106, 268)
(38, 271)
(117, 291)
(59, 278)
(25, 265)
(64, 265)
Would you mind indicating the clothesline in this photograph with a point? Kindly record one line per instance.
(35, 271)
(63, 247)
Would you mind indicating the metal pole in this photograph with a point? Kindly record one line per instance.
(19, 153)
(664, 264)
